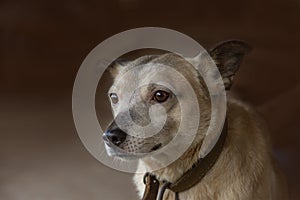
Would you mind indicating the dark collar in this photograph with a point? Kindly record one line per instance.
(190, 178)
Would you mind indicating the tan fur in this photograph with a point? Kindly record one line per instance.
(245, 170)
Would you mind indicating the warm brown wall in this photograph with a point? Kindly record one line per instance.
(44, 42)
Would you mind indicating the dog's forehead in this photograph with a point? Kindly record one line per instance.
(169, 69)
(150, 76)
(152, 72)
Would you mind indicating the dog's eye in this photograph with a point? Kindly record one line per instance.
(114, 98)
(160, 96)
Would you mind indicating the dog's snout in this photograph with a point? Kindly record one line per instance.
(115, 136)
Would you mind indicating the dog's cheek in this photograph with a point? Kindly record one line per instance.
(170, 130)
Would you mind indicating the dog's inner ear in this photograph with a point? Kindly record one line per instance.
(116, 66)
(228, 56)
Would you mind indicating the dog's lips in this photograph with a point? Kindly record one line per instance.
(119, 153)
(156, 147)
(114, 151)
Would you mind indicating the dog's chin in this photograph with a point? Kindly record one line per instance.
(117, 152)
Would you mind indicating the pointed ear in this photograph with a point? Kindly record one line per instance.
(116, 66)
(228, 56)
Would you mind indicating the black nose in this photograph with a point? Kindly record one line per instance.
(116, 136)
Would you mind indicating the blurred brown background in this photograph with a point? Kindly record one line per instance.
(42, 44)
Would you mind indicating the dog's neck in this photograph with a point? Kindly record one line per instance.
(190, 178)
(175, 170)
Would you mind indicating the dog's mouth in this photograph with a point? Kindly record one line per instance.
(156, 147)
(114, 151)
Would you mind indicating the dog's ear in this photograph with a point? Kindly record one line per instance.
(116, 66)
(228, 56)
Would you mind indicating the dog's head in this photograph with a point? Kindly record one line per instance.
(136, 97)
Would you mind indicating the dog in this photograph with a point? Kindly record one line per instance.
(244, 168)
